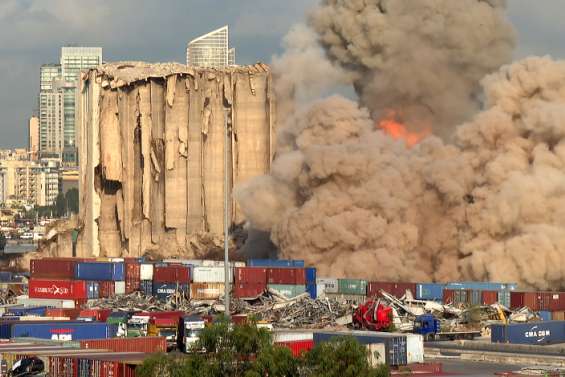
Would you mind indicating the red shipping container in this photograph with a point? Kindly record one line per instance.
(292, 276)
(141, 344)
(132, 269)
(396, 289)
(557, 301)
(100, 315)
(256, 275)
(171, 274)
(248, 290)
(48, 268)
(448, 296)
(106, 288)
(70, 313)
(58, 289)
(489, 297)
(544, 301)
(537, 301)
(297, 347)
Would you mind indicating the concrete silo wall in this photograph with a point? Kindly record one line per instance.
(151, 144)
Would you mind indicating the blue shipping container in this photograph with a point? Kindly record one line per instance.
(310, 275)
(100, 271)
(544, 315)
(312, 290)
(430, 291)
(63, 330)
(504, 298)
(479, 285)
(550, 332)
(147, 287)
(274, 263)
(21, 311)
(5, 276)
(395, 344)
(163, 290)
(93, 289)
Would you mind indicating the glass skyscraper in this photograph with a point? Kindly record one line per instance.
(211, 50)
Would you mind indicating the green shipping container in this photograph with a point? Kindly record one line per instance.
(352, 287)
(288, 291)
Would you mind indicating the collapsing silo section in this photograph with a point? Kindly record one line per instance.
(151, 143)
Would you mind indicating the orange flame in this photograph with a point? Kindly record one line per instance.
(398, 131)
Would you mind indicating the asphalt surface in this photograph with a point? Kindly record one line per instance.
(473, 369)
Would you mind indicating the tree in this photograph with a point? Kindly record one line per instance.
(2, 241)
(72, 200)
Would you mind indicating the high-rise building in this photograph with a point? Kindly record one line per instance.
(3, 185)
(33, 138)
(58, 83)
(32, 182)
(211, 50)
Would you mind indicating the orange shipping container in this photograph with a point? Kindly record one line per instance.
(141, 344)
(489, 297)
(206, 291)
(558, 316)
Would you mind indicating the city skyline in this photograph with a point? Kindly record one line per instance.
(257, 29)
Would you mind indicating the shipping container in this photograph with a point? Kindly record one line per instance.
(50, 268)
(174, 273)
(147, 287)
(285, 335)
(537, 301)
(220, 263)
(6, 276)
(139, 344)
(100, 271)
(558, 316)
(280, 263)
(481, 286)
(133, 269)
(100, 315)
(164, 290)
(40, 311)
(120, 288)
(504, 298)
(255, 275)
(544, 315)
(288, 291)
(206, 291)
(395, 344)
(430, 291)
(330, 285)
(550, 332)
(349, 299)
(58, 289)
(297, 347)
(50, 303)
(72, 314)
(310, 275)
(395, 289)
(93, 290)
(376, 354)
(557, 302)
(63, 330)
(211, 275)
(489, 297)
(292, 275)
(146, 271)
(107, 289)
(248, 290)
(312, 290)
(414, 348)
(352, 286)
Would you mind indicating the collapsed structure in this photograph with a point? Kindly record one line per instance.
(151, 150)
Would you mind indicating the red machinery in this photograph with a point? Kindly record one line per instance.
(373, 316)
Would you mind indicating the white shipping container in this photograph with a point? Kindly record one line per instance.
(120, 288)
(146, 271)
(320, 290)
(210, 275)
(376, 354)
(52, 303)
(193, 262)
(331, 284)
(414, 348)
(116, 260)
(292, 335)
(220, 263)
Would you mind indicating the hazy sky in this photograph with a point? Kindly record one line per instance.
(33, 31)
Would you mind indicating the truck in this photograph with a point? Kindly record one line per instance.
(165, 324)
(430, 328)
(121, 320)
(190, 329)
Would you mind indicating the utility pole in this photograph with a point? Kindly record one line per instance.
(227, 190)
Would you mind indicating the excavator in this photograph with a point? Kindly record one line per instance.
(372, 316)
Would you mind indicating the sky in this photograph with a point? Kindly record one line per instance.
(32, 33)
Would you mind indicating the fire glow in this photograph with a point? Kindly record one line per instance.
(398, 131)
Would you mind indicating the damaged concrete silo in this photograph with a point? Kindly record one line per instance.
(151, 145)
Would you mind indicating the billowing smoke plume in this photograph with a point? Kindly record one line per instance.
(422, 58)
(487, 205)
(353, 202)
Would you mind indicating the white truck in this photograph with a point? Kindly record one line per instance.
(191, 327)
